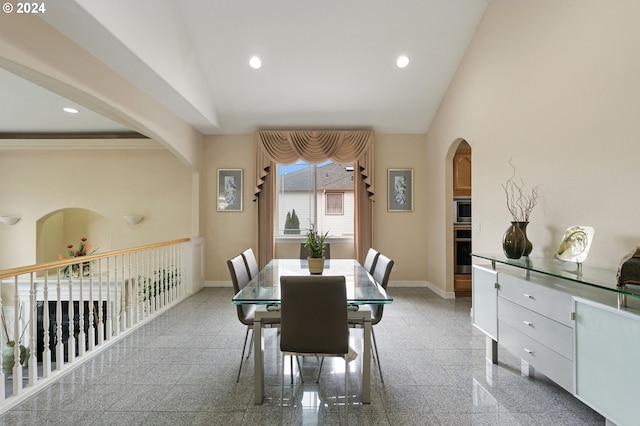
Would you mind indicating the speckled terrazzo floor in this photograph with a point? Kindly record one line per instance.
(181, 369)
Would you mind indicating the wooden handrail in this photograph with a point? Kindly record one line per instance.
(82, 259)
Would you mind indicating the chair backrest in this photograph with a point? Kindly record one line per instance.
(382, 270)
(251, 262)
(239, 274)
(240, 278)
(381, 274)
(304, 251)
(313, 314)
(370, 260)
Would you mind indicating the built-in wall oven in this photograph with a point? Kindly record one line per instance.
(462, 249)
(462, 211)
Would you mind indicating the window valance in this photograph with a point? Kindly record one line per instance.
(315, 146)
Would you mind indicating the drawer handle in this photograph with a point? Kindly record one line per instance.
(528, 296)
(529, 351)
(529, 323)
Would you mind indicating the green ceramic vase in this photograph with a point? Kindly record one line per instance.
(527, 244)
(514, 242)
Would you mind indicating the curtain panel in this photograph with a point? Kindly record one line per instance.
(313, 146)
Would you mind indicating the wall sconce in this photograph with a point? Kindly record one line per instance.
(9, 220)
(133, 219)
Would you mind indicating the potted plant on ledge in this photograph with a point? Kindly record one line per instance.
(315, 245)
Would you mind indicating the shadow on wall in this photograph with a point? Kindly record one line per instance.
(56, 230)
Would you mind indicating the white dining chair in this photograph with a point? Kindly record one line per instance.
(251, 263)
(370, 260)
(246, 313)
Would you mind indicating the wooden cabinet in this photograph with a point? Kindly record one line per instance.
(462, 173)
(462, 284)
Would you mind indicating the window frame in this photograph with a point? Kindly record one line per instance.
(317, 200)
(327, 195)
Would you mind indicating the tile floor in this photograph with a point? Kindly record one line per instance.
(181, 369)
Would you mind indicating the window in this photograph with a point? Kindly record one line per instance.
(320, 194)
(335, 203)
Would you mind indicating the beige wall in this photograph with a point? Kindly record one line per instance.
(227, 233)
(399, 235)
(113, 184)
(402, 235)
(552, 86)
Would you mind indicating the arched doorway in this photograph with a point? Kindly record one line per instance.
(462, 219)
(56, 230)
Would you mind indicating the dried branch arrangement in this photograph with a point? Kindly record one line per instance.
(519, 204)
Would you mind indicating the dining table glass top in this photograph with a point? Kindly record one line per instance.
(265, 287)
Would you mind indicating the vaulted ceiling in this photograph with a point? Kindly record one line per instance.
(329, 63)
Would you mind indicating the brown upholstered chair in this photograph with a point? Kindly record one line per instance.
(314, 320)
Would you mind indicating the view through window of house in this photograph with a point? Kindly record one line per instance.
(321, 194)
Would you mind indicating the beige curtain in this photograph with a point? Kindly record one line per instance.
(313, 146)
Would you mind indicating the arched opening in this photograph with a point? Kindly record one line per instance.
(462, 231)
(56, 230)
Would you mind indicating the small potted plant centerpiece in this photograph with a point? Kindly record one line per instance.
(315, 245)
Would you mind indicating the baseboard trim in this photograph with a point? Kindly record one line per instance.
(437, 290)
(218, 284)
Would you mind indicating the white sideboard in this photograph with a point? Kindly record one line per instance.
(571, 324)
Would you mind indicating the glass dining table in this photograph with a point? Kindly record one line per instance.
(264, 291)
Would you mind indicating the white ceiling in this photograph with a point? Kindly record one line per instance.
(328, 63)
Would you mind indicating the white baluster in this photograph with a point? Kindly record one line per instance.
(82, 341)
(17, 368)
(32, 317)
(71, 341)
(59, 344)
(46, 323)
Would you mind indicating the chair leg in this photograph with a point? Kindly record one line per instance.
(375, 346)
(299, 369)
(282, 391)
(244, 347)
(346, 391)
(320, 369)
(250, 343)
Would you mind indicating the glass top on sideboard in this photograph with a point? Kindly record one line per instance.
(596, 277)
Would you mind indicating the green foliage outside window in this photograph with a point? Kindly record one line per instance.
(292, 223)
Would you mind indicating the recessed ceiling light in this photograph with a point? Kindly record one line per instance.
(255, 62)
(402, 61)
(70, 110)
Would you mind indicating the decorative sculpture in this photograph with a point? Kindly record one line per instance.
(575, 244)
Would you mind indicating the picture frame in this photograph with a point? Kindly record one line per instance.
(230, 185)
(400, 190)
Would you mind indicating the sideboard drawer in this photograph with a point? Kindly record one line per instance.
(550, 333)
(548, 302)
(550, 363)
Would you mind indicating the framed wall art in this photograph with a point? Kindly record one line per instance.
(400, 190)
(229, 190)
